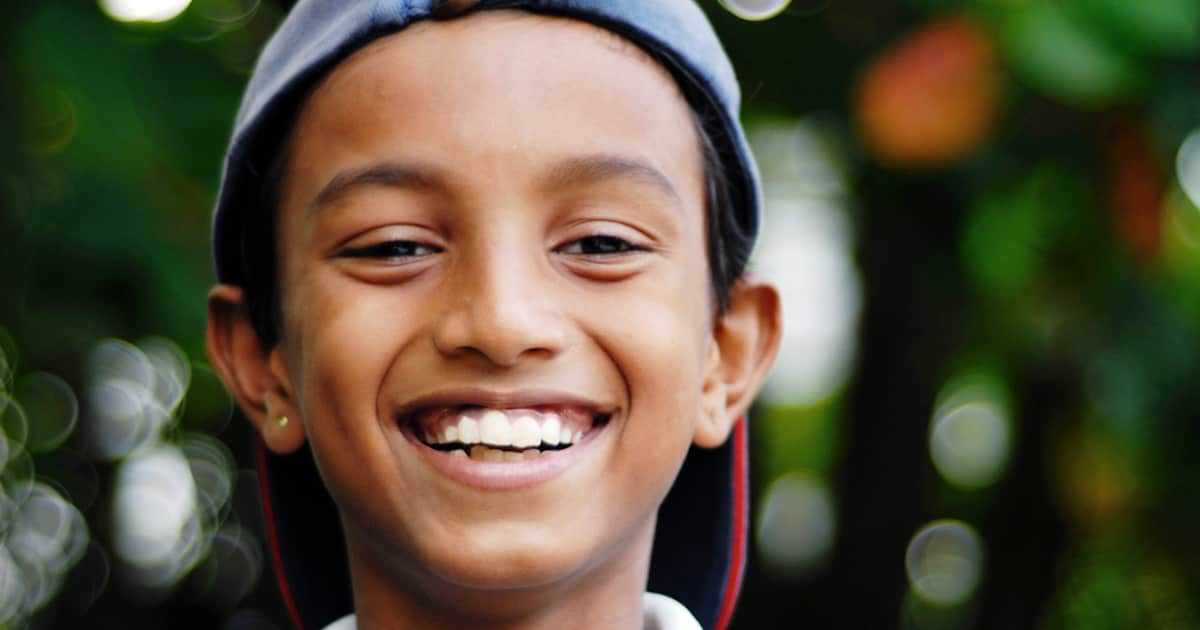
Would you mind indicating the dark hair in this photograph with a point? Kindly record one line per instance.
(727, 241)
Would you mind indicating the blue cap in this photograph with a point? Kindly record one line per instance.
(700, 545)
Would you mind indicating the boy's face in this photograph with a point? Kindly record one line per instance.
(500, 212)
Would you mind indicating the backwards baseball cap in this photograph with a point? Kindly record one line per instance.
(699, 550)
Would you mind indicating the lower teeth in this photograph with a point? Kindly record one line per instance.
(480, 452)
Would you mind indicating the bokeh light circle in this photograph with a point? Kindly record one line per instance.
(944, 562)
(43, 537)
(119, 423)
(132, 394)
(40, 584)
(154, 505)
(796, 524)
(6, 451)
(8, 511)
(970, 434)
(234, 565)
(755, 9)
(14, 424)
(1187, 167)
(18, 469)
(144, 10)
(6, 370)
(90, 578)
(118, 360)
(806, 250)
(212, 467)
(49, 531)
(172, 372)
(969, 444)
(12, 586)
(51, 409)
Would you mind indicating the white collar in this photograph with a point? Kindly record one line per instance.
(659, 612)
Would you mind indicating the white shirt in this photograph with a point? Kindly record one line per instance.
(659, 612)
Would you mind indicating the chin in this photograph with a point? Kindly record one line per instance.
(514, 556)
(472, 567)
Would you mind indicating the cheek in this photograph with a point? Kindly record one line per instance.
(344, 342)
(657, 351)
(660, 334)
(342, 346)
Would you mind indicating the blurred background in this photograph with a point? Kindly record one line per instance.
(983, 215)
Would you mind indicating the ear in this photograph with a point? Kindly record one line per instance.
(257, 378)
(745, 340)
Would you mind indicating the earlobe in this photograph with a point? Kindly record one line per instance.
(745, 340)
(253, 375)
(281, 429)
(714, 423)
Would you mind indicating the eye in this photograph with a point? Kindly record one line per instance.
(390, 250)
(600, 245)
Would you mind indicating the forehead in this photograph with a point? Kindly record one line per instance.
(492, 32)
(492, 98)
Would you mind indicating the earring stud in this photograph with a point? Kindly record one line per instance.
(281, 422)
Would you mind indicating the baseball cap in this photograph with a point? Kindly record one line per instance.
(699, 551)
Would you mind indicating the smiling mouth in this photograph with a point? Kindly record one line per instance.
(505, 435)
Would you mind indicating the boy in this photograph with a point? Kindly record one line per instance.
(483, 261)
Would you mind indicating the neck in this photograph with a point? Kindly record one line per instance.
(604, 596)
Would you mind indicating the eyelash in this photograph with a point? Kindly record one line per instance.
(610, 246)
(391, 249)
(602, 245)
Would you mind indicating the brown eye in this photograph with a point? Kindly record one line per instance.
(390, 249)
(600, 245)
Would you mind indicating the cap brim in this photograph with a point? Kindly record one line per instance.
(698, 557)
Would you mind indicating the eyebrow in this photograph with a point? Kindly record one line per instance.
(387, 174)
(581, 170)
(600, 168)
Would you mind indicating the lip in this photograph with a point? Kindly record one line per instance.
(505, 476)
(501, 476)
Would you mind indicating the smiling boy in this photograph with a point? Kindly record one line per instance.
(485, 269)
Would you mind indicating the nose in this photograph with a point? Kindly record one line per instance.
(501, 310)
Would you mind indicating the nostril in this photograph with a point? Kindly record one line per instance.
(502, 339)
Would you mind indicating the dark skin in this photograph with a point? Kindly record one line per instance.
(511, 231)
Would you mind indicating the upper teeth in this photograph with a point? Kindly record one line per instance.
(518, 428)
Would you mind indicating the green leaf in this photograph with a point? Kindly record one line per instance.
(1055, 52)
(1151, 26)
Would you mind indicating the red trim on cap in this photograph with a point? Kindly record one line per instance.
(264, 490)
(737, 555)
